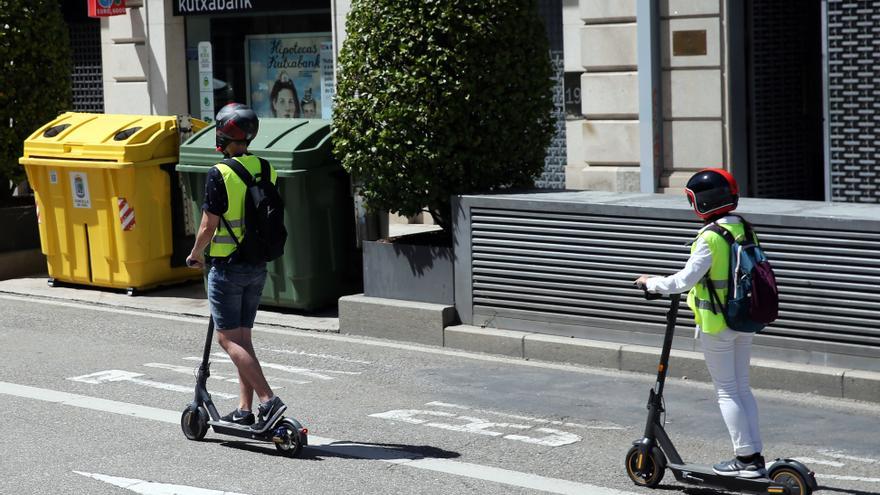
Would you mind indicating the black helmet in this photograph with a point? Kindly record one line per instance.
(712, 192)
(235, 122)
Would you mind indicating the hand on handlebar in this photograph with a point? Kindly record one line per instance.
(642, 284)
(194, 261)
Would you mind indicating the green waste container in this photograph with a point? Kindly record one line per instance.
(320, 261)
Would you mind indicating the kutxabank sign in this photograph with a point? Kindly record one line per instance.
(197, 7)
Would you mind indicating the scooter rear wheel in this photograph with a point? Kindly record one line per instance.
(652, 472)
(792, 479)
(287, 438)
(194, 422)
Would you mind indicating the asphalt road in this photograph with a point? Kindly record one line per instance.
(92, 399)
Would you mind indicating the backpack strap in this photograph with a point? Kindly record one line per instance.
(240, 171)
(248, 180)
(713, 295)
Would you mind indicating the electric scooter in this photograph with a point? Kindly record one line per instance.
(287, 434)
(648, 458)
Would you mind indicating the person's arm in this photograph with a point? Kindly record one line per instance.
(215, 204)
(207, 228)
(695, 269)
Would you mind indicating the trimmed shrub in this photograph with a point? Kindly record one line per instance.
(35, 66)
(438, 98)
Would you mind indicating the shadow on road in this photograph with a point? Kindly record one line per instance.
(348, 450)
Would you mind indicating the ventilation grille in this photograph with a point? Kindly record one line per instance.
(579, 268)
(86, 77)
(854, 100)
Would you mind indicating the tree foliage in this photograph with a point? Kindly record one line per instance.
(35, 67)
(442, 97)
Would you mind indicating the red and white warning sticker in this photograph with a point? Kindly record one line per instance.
(126, 214)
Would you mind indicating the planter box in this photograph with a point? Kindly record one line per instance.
(414, 271)
(20, 230)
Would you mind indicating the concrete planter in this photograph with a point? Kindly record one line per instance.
(20, 228)
(20, 243)
(411, 269)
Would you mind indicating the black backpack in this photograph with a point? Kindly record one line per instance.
(263, 216)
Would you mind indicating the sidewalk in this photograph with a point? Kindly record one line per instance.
(186, 299)
(189, 300)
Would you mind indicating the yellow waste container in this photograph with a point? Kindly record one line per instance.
(110, 206)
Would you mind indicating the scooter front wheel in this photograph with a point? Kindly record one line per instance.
(288, 437)
(194, 422)
(792, 479)
(647, 471)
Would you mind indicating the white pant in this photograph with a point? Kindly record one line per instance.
(727, 356)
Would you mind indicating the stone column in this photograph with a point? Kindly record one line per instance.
(605, 144)
(694, 89)
(143, 55)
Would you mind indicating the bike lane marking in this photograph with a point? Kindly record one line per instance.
(446, 466)
(151, 487)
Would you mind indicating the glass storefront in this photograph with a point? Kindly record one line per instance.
(280, 62)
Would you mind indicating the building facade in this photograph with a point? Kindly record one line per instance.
(782, 93)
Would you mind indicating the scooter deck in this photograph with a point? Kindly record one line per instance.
(246, 431)
(697, 474)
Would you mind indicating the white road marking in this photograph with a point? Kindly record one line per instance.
(447, 466)
(128, 376)
(191, 372)
(846, 478)
(479, 426)
(331, 357)
(607, 426)
(153, 488)
(840, 455)
(317, 374)
(810, 460)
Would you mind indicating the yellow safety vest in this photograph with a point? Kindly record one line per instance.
(223, 245)
(709, 317)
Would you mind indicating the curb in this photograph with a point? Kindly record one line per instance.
(765, 374)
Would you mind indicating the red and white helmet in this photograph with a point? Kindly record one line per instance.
(712, 192)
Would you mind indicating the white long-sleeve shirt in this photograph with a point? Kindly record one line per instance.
(694, 270)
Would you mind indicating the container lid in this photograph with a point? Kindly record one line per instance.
(293, 144)
(106, 140)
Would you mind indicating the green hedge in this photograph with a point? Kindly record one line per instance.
(34, 78)
(437, 98)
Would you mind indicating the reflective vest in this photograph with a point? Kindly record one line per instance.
(223, 245)
(709, 317)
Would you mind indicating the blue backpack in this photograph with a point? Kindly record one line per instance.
(752, 296)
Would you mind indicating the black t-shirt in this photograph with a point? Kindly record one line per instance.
(216, 201)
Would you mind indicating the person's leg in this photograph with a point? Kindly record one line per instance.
(742, 361)
(225, 294)
(237, 343)
(719, 351)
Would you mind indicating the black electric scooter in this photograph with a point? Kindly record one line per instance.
(287, 434)
(648, 458)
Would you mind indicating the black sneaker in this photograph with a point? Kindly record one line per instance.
(744, 469)
(239, 417)
(268, 412)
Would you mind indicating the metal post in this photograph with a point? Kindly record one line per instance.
(650, 94)
(826, 111)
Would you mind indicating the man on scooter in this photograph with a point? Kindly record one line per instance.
(235, 286)
(713, 193)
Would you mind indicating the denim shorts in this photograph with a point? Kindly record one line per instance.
(234, 292)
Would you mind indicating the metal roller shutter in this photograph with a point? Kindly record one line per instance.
(578, 269)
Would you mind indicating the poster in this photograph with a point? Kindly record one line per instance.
(286, 75)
